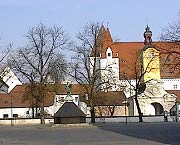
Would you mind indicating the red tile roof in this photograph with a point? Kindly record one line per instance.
(17, 96)
(128, 53)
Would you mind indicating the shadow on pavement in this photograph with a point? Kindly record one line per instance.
(166, 133)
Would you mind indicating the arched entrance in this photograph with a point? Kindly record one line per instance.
(158, 108)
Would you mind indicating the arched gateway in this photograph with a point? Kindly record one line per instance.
(158, 108)
(153, 101)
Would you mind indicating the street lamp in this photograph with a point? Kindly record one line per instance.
(11, 111)
(177, 111)
(125, 109)
(125, 104)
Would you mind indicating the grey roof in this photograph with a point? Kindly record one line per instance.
(69, 109)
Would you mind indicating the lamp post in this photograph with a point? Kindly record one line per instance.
(177, 111)
(11, 111)
(125, 105)
(125, 109)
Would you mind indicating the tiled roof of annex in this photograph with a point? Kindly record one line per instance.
(18, 94)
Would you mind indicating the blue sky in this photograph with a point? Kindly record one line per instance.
(127, 18)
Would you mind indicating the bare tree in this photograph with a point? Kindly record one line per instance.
(34, 62)
(85, 66)
(171, 51)
(137, 71)
(107, 108)
(3, 63)
(32, 96)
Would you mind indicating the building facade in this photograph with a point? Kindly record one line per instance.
(124, 63)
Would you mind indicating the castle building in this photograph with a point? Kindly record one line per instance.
(120, 66)
(126, 63)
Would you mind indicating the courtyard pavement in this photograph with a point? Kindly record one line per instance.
(97, 134)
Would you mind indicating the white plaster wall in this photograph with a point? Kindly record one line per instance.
(22, 112)
(169, 84)
(10, 78)
(92, 63)
(110, 62)
(113, 76)
(51, 110)
(130, 119)
(59, 101)
(150, 110)
(25, 121)
(83, 107)
(129, 89)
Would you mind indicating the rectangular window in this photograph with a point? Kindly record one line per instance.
(5, 115)
(15, 115)
(175, 87)
(76, 99)
(110, 71)
(109, 54)
(125, 74)
(123, 60)
(62, 99)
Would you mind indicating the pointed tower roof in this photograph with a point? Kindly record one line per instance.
(108, 37)
(99, 42)
(103, 40)
(101, 35)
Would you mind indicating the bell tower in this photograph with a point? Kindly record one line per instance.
(147, 36)
(150, 56)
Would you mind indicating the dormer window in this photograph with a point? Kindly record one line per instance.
(109, 53)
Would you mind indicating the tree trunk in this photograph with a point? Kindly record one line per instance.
(36, 113)
(92, 115)
(42, 114)
(138, 108)
(42, 94)
(33, 112)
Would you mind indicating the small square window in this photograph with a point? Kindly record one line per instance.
(5, 115)
(15, 115)
(123, 61)
(175, 87)
(62, 99)
(125, 73)
(76, 99)
(109, 54)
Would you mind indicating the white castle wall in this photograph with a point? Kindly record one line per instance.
(10, 78)
(171, 84)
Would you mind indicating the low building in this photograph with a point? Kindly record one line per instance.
(20, 104)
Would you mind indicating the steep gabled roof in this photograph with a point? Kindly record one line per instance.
(108, 37)
(103, 38)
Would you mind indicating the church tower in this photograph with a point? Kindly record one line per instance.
(150, 56)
